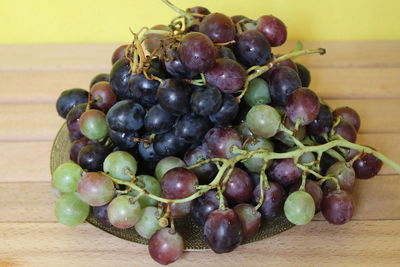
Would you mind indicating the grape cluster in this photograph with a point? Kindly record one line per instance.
(207, 122)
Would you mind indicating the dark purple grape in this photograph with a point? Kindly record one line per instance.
(69, 99)
(225, 52)
(239, 188)
(323, 123)
(227, 112)
(126, 116)
(274, 198)
(197, 10)
(101, 77)
(206, 172)
(100, 212)
(302, 105)
(304, 75)
(346, 130)
(219, 141)
(326, 162)
(118, 53)
(102, 96)
(197, 52)
(285, 172)
(174, 65)
(192, 127)
(348, 114)
(166, 246)
(273, 29)
(205, 100)
(367, 166)
(72, 121)
(91, 157)
(252, 48)
(76, 146)
(204, 205)
(168, 144)
(144, 91)
(123, 140)
(283, 82)
(174, 96)
(179, 183)
(155, 40)
(337, 207)
(313, 189)
(157, 120)
(218, 27)
(250, 219)
(227, 75)
(285, 63)
(147, 152)
(223, 231)
(119, 78)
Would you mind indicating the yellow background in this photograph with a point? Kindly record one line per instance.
(55, 21)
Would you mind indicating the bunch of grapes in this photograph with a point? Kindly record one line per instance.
(199, 118)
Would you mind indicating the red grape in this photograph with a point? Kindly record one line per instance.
(337, 207)
(218, 27)
(367, 166)
(273, 29)
(303, 105)
(228, 75)
(166, 246)
(250, 219)
(239, 188)
(350, 115)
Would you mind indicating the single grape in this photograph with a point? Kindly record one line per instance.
(283, 82)
(144, 91)
(223, 231)
(168, 144)
(91, 157)
(167, 164)
(148, 223)
(102, 96)
(118, 163)
(179, 183)
(304, 75)
(307, 158)
(205, 173)
(303, 106)
(126, 116)
(255, 164)
(322, 124)
(204, 205)
(337, 207)
(147, 152)
(284, 63)
(69, 99)
(346, 130)
(96, 189)
(93, 125)
(227, 112)
(252, 48)
(180, 210)
(157, 120)
(239, 187)
(174, 66)
(123, 140)
(219, 141)
(71, 210)
(218, 27)
(166, 246)
(227, 75)
(118, 53)
(250, 219)
(174, 96)
(257, 93)
(66, 177)
(367, 166)
(285, 172)
(100, 213)
(225, 52)
(119, 78)
(123, 213)
(205, 100)
(72, 121)
(151, 185)
(299, 208)
(348, 114)
(101, 77)
(313, 189)
(274, 198)
(154, 41)
(263, 120)
(76, 147)
(192, 127)
(273, 29)
(345, 175)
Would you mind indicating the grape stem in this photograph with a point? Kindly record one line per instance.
(190, 19)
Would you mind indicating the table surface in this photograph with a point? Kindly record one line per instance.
(364, 75)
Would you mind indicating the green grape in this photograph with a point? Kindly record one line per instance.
(255, 164)
(117, 162)
(167, 164)
(257, 93)
(306, 158)
(148, 223)
(71, 210)
(66, 177)
(299, 208)
(93, 125)
(123, 213)
(244, 130)
(263, 120)
(151, 185)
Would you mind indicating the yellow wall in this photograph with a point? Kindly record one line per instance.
(43, 21)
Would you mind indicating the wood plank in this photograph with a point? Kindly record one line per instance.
(97, 56)
(329, 83)
(356, 243)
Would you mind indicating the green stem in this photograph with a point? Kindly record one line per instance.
(190, 19)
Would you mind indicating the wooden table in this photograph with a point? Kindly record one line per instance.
(362, 75)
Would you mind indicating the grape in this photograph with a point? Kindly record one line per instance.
(174, 65)
(118, 53)
(227, 112)
(103, 96)
(95, 189)
(118, 162)
(151, 185)
(304, 75)
(286, 138)
(197, 52)
(283, 82)
(144, 91)
(123, 140)
(192, 127)
(303, 106)
(252, 48)
(166, 246)
(350, 115)
(239, 187)
(76, 147)
(119, 78)
(205, 173)
(69, 99)
(307, 158)
(274, 198)
(223, 231)
(72, 121)
(167, 164)
(70, 210)
(285, 172)
(367, 166)
(157, 120)
(197, 10)
(155, 40)
(345, 175)
(204, 205)
(92, 124)
(123, 213)
(244, 130)
(346, 130)
(284, 63)
(91, 157)
(179, 183)
(100, 213)
(255, 164)
(147, 152)
(101, 77)
(205, 100)
(218, 27)
(235, 19)
(325, 162)
(126, 116)
(299, 208)
(322, 123)
(313, 189)
(66, 177)
(250, 219)
(180, 210)
(174, 96)
(263, 120)
(168, 144)
(148, 223)
(219, 141)
(257, 93)
(225, 52)
(337, 207)
(273, 29)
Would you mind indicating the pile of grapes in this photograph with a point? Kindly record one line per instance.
(199, 118)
